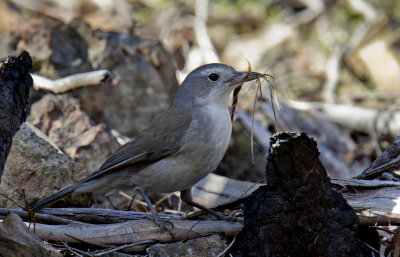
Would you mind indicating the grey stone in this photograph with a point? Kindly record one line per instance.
(17, 241)
(35, 167)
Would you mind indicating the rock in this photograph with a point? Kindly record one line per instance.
(204, 246)
(57, 50)
(379, 62)
(114, 15)
(36, 167)
(9, 14)
(61, 119)
(145, 79)
(143, 71)
(17, 241)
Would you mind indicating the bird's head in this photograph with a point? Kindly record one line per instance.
(211, 84)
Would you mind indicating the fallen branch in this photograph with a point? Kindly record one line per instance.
(71, 82)
(134, 231)
(377, 197)
(332, 72)
(379, 219)
(103, 216)
(360, 183)
(62, 216)
(386, 162)
(354, 118)
(46, 218)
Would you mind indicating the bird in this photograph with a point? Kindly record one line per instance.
(179, 147)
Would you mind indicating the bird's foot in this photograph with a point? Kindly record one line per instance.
(162, 224)
(229, 218)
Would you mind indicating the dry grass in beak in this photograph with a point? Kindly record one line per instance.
(236, 93)
(235, 100)
(258, 82)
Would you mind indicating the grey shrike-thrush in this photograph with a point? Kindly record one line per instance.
(179, 148)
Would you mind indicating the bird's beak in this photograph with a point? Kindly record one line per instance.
(242, 77)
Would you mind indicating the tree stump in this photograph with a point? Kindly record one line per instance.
(15, 82)
(297, 213)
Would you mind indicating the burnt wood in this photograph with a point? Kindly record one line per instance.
(15, 82)
(297, 213)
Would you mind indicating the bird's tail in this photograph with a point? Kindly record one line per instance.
(40, 204)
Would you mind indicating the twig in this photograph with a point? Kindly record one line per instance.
(47, 218)
(370, 247)
(71, 82)
(386, 162)
(313, 10)
(379, 220)
(200, 29)
(75, 251)
(11, 200)
(252, 127)
(375, 172)
(227, 248)
(103, 216)
(363, 8)
(124, 246)
(332, 71)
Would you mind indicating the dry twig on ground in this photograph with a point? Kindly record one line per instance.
(71, 82)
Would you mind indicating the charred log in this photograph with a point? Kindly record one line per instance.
(15, 83)
(297, 213)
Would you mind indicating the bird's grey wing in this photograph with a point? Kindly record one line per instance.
(160, 140)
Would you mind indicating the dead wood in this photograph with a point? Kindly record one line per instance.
(214, 190)
(386, 162)
(297, 213)
(42, 218)
(62, 216)
(71, 82)
(15, 83)
(372, 199)
(103, 216)
(134, 231)
(355, 118)
(379, 219)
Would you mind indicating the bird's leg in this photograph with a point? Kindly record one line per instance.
(110, 202)
(156, 217)
(186, 196)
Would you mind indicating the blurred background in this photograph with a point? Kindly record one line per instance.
(335, 68)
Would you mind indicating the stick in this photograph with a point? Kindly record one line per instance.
(134, 231)
(353, 117)
(71, 82)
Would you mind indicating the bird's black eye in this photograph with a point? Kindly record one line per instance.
(213, 77)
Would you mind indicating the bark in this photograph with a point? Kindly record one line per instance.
(134, 232)
(15, 83)
(88, 215)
